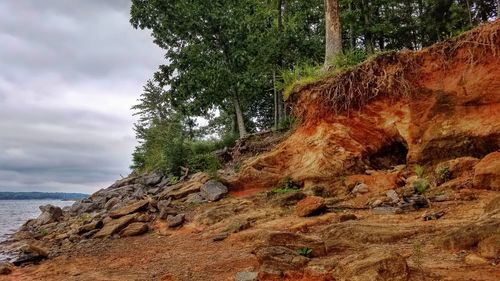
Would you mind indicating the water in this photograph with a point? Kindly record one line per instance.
(13, 213)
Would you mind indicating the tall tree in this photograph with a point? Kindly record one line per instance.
(333, 31)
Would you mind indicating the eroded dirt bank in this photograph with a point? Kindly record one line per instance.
(403, 184)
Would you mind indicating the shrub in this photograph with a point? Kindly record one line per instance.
(304, 251)
(207, 162)
(421, 185)
(349, 58)
(419, 170)
(443, 174)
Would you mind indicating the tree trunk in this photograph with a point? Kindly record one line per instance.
(239, 116)
(278, 98)
(276, 102)
(369, 44)
(333, 36)
(352, 41)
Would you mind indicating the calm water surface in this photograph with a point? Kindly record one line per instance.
(13, 213)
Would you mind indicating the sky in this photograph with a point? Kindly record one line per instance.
(69, 73)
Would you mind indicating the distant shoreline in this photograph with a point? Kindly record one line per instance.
(42, 196)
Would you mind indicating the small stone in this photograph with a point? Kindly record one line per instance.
(220, 236)
(310, 206)
(440, 198)
(433, 216)
(174, 221)
(393, 195)
(376, 203)
(387, 210)
(347, 217)
(7, 268)
(195, 198)
(473, 259)
(360, 188)
(246, 276)
(213, 190)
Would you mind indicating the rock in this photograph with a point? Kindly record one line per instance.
(123, 182)
(469, 235)
(114, 226)
(310, 206)
(90, 226)
(183, 189)
(487, 172)
(376, 203)
(279, 259)
(30, 254)
(89, 234)
(49, 214)
(393, 195)
(360, 188)
(195, 198)
(128, 209)
(373, 265)
(387, 210)
(433, 215)
(246, 276)
(144, 217)
(473, 259)
(151, 179)
(134, 229)
(213, 190)
(6, 268)
(490, 247)
(165, 209)
(347, 217)
(220, 236)
(440, 198)
(174, 221)
(111, 203)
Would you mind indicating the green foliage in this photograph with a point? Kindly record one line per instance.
(43, 232)
(349, 59)
(304, 251)
(84, 218)
(285, 186)
(173, 179)
(206, 162)
(287, 123)
(300, 75)
(421, 185)
(443, 174)
(419, 170)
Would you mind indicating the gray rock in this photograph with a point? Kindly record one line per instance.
(387, 210)
(150, 179)
(213, 190)
(393, 195)
(440, 198)
(49, 214)
(111, 203)
(246, 276)
(30, 254)
(360, 188)
(174, 221)
(220, 236)
(195, 198)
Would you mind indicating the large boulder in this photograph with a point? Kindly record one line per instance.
(129, 209)
(115, 226)
(49, 214)
(487, 172)
(213, 190)
(29, 254)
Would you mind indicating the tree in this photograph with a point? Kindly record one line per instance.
(333, 32)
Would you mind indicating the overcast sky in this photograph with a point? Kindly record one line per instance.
(69, 73)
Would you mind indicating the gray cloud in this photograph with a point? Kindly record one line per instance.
(69, 73)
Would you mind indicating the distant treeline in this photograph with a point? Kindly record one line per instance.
(41, 195)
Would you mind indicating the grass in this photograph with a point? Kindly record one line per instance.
(419, 170)
(304, 251)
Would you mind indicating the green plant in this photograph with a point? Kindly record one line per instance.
(173, 179)
(419, 170)
(84, 218)
(304, 251)
(421, 185)
(237, 167)
(349, 58)
(443, 174)
(43, 232)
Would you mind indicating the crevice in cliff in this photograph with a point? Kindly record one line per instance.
(391, 155)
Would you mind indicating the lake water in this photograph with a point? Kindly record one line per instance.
(13, 213)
